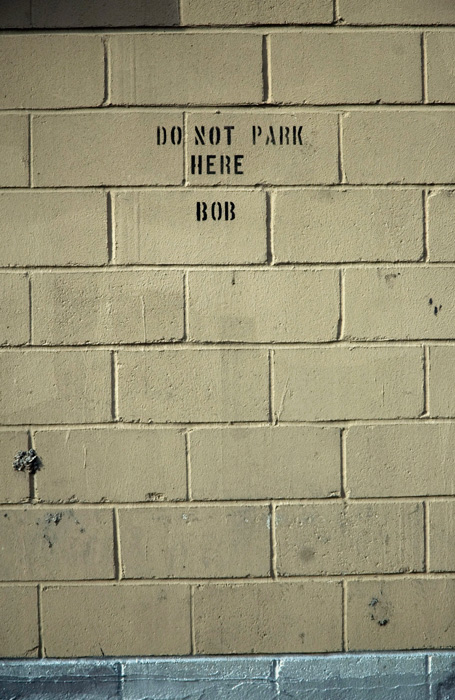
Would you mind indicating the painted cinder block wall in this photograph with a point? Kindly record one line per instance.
(245, 411)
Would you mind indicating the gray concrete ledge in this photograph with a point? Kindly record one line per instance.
(367, 676)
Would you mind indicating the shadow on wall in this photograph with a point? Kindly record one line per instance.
(27, 14)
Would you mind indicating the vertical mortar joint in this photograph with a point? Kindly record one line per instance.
(266, 69)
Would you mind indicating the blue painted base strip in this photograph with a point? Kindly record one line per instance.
(367, 676)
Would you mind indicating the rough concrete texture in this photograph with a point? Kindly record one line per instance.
(441, 211)
(47, 387)
(256, 12)
(238, 392)
(53, 228)
(146, 221)
(278, 462)
(248, 306)
(360, 538)
(427, 295)
(258, 617)
(65, 149)
(336, 383)
(35, 79)
(139, 62)
(348, 225)
(342, 67)
(195, 542)
(384, 147)
(412, 676)
(97, 465)
(14, 487)
(227, 265)
(103, 620)
(56, 544)
(112, 13)
(99, 307)
(14, 158)
(19, 634)
(392, 460)
(388, 614)
(397, 12)
(313, 158)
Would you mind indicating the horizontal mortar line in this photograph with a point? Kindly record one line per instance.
(254, 106)
(240, 580)
(254, 186)
(227, 28)
(223, 425)
(184, 504)
(229, 267)
(218, 109)
(188, 425)
(194, 345)
(258, 187)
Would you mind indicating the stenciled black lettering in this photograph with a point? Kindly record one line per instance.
(161, 135)
(257, 131)
(172, 135)
(229, 211)
(196, 165)
(214, 135)
(176, 135)
(199, 135)
(238, 164)
(298, 135)
(211, 165)
(215, 211)
(228, 130)
(201, 211)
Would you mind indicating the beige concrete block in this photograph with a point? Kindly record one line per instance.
(393, 147)
(111, 465)
(14, 158)
(400, 614)
(76, 308)
(441, 534)
(15, 14)
(15, 313)
(51, 70)
(105, 148)
(249, 148)
(441, 221)
(267, 306)
(347, 225)
(354, 538)
(400, 460)
(397, 12)
(333, 67)
(442, 371)
(116, 620)
(151, 69)
(68, 544)
(186, 386)
(14, 486)
(195, 541)
(278, 462)
(190, 227)
(440, 71)
(399, 303)
(347, 383)
(266, 618)
(53, 228)
(105, 13)
(55, 387)
(256, 12)
(19, 636)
